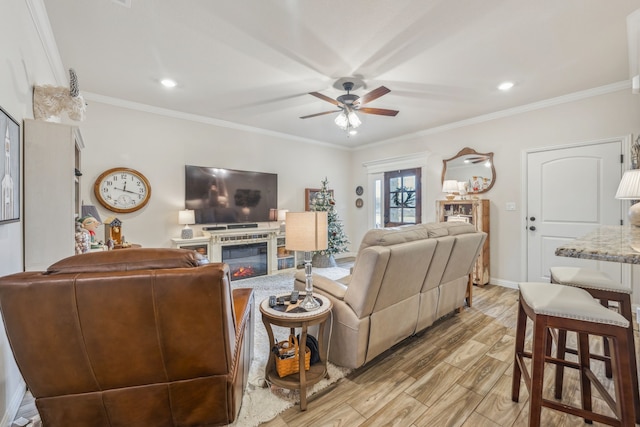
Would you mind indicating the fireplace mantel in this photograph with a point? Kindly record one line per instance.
(215, 240)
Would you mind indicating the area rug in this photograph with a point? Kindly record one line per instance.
(261, 404)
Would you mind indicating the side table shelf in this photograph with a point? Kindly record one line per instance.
(301, 320)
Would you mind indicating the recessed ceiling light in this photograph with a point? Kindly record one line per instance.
(168, 83)
(504, 86)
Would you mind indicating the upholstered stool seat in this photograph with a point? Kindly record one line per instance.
(607, 290)
(552, 306)
(587, 279)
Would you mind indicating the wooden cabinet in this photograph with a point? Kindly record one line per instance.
(475, 212)
(51, 192)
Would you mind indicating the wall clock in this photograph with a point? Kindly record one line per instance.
(122, 190)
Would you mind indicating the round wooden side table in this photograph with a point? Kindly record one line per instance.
(297, 318)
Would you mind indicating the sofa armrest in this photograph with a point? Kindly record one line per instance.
(326, 285)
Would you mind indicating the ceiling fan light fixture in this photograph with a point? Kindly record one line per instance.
(342, 121)
(354, 121)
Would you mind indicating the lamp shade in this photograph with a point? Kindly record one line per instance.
(450, 186)
(307, 231)
(186, 217)
(629, 187)
(282, 214)
(90, 210)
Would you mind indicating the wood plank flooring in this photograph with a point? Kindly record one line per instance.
(456, 373)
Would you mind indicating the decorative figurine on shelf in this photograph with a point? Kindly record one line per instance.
(85, 233)
(83, 239)
(90, 224)
(113, 230)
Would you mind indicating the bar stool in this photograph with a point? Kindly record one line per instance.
(552, 306)
(605, 289)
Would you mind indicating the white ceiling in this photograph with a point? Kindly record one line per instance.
(253, 62)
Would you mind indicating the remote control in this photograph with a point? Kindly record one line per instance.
(272, 301)
(280, 301)
(294, 297)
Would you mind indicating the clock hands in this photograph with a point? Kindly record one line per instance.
(125, 190)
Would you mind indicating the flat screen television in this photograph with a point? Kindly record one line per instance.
(227, 196)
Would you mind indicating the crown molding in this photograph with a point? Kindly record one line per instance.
(41, 22)
(117, 102)
(572, 97)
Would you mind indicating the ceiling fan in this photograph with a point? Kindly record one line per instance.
(349, 103)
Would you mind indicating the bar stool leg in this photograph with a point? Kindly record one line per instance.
(537, 371)
(521, 329)
(560, 354)
(625, 311)
(623, 383)
(585, 383)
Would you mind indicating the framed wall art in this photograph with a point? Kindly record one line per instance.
(310, 194)
(9, 168)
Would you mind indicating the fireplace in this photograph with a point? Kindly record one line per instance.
(246, 260)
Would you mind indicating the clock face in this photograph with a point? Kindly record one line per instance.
(122, 190)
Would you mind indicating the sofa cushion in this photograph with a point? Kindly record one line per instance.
(393, 235)
(126, 260)
(455, 228)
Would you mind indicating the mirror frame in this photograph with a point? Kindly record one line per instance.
(464, 152)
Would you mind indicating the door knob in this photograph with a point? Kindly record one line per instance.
(533, 218)
(532, 228)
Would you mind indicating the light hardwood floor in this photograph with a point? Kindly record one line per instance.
(456, 373)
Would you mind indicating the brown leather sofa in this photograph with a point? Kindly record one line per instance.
(136, 337)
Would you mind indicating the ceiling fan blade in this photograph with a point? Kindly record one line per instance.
(378, 111)
(325, 98)
(320, 114)
(374, 94)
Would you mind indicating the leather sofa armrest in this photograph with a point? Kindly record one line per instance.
(242, 301)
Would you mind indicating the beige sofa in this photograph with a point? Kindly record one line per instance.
(403, 280)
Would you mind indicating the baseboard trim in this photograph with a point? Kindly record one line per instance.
(504, 283)
(14, 405)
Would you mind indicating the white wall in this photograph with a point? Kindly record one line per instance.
(159, 146)
(610, 115)
(23, 63)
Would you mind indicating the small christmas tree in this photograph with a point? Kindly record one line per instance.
(324, 202)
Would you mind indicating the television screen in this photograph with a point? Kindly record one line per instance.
(223, 196)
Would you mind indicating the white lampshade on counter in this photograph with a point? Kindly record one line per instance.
(629, 189)
(450, 187)
(186, 218)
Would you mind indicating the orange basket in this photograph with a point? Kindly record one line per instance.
(291, 365)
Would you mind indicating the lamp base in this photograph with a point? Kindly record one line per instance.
(187, 233)
(634, 215)
(309, 303)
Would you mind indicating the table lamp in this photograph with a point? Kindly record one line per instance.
(282, 216)
(629, 189)
(308, 232)
(186, 218)
(450, 186)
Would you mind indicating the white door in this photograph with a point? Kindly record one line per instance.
(570, 192)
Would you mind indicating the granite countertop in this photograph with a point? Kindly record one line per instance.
(608, 243)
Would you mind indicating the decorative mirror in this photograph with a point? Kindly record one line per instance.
(470, 167)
